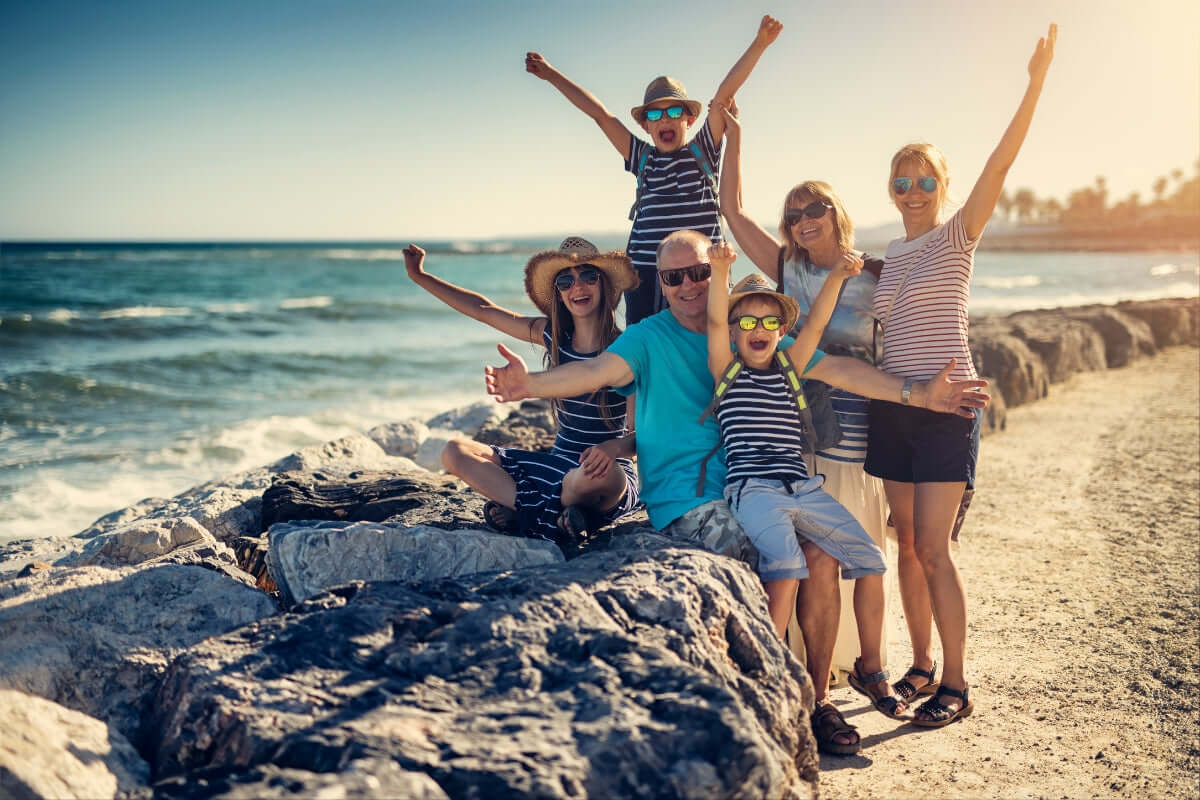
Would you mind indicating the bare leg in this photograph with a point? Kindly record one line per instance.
(914, 591)
(602, 494)
(781, 600)
(868, 613)
(478, 465)
(818, 607)
(936, 505)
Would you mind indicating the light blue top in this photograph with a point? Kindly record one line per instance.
(673, 385)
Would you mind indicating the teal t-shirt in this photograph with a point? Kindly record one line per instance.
(673, 386)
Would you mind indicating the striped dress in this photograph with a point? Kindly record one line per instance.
(539, 475)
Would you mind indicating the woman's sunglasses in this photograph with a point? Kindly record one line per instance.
(674, 277)
(926, 184)
(812, 211)
(655, 114)
(749, 323)
(588, 276)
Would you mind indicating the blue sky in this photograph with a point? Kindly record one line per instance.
(397, 120)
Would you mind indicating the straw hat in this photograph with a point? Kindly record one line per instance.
(757, 283)
(573, 252)
(665, 88)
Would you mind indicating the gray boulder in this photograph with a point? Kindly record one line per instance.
(98, 640)
(635, 672)
(1066, 346)
(529, 426)
(1125, 336)
(1015, 371)
(306, 559)
(1172, 322)
(367, 777)
(469, 419)
(18, 554)
(400, 438)
(53, 752)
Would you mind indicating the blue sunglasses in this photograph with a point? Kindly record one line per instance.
(926, 184)
(655, 114)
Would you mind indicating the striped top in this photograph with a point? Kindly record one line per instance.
(677, 196)
(580, 423)
(760, 428)
(928, 323)
(852, 325)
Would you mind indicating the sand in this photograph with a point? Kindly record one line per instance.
(1080, 557)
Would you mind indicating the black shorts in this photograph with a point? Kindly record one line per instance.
(915, 445)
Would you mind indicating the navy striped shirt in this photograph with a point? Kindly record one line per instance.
(580, 421)
(760, 427)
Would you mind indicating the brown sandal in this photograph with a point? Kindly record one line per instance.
(828, 722)
(907, 691)
(888, 705)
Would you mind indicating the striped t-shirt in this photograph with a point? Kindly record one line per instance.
(760, 428)
(581, 423)
(928, 322)
(677, 196)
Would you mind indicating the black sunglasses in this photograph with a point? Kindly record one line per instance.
(588, 276)
(812, 211)
(674, 277)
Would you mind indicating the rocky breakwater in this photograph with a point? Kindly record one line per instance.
(374, 641)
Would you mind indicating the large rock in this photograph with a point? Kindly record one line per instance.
(47, 751)
(18, 554)
(366, 777)
(1066, 346)
(98, 640)
(1172, 322)
(307, 559)
(469, 419)
(1125, 336)
(635, 672)
(1012, 367)
(530, 426)
(400, 438)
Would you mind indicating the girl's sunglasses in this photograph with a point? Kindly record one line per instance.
(812, 211)
(749, 323)
(674, 277)
(926, 184)
(588, 276)
(655, 114)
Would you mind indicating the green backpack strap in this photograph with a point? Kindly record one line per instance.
(701, 160)
(727, 378)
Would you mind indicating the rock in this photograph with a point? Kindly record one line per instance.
(357, 449)
(429, 454)
(1172, 322)
(140, 540)
(530, 426)
(251, 555)
(414, 498)
(123, 516)
(1125, 337)
(18, 554)
(469, 419)
(995, 416)
(53, 752)
(638, 672)
(1016, 372)
(98, 640)
(1066, 346)
(367, 777)
(307, 559)
(400, 438)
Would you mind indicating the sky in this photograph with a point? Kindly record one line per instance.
(363, 119)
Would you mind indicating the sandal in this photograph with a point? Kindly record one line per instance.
(500, 518)
(940, 715)
(907, 690)
(888, 705)
(573, 524)
(828, 722)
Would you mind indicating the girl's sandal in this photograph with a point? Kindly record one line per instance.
(907, 690)
(500, 518)
(938, 715)
(887, 705)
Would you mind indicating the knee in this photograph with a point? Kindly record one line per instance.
(453, 455)
(933, 555)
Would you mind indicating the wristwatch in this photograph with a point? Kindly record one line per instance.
(906, 392)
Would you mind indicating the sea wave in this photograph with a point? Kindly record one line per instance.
(321, 301)
(1010, 282)
(994, 304)
(137, 312)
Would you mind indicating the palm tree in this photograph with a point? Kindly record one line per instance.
(1160, 187)
(1004, 204)
(1026, 202)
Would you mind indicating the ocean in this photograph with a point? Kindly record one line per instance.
(139, 370)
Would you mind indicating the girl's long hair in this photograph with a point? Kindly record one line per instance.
(563, 324)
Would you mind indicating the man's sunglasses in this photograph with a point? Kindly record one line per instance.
(588, 276)
(812, 211)
(749, 323)
(926, 184)
(674, 277)
(655, 114)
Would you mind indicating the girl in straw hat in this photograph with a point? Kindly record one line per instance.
(587, 478)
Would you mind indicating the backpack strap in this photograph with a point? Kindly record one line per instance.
(727, 378)
(641, 184)
(796, 387)
(702, 161)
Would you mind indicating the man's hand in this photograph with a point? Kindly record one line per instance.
(768, 30)
(509, 382)
(538, 66)
(414, 260)
(954, 397)
(596, 462)
(721, 257)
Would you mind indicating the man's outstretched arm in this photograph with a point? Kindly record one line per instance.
(514, 381)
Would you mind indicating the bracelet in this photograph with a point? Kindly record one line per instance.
(906, 392)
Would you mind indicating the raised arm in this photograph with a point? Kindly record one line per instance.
(822, 308)
(720, 256)
(581, 98)
(939, 393)
(473, 304)
(760, 246)
(768, 31)
(982, 201)
(514, 381)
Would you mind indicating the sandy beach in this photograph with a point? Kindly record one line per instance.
(1080, 557)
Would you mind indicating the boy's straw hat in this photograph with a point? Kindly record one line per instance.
(665, 88)
(757, 283)
(573, 252)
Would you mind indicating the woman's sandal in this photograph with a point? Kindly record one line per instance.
(828, 722)
(500, 518)
(907, 691)
(887, 705)
(939, 715)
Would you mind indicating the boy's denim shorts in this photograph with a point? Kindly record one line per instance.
(775, 519)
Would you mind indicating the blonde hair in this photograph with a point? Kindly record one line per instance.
(927, 155)
(843, 227)
(561, 323)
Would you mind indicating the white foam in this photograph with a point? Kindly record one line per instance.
(1014, 282)
(135, 312)
(1161, 270)
(1026, 302)
(362, 255)
(230, 308)
(62, 315)
(306, 302)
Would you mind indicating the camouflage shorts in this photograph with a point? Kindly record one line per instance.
(713, 527)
